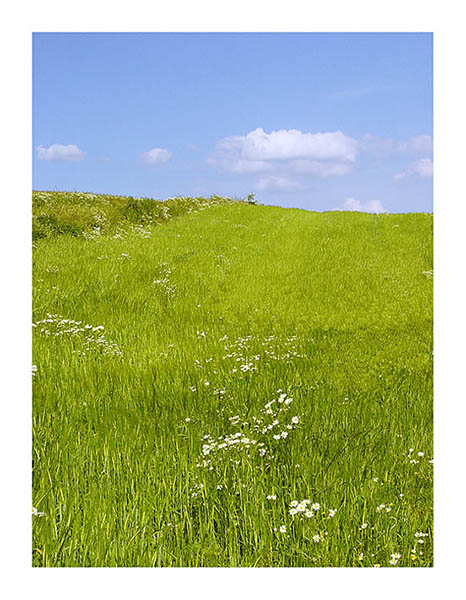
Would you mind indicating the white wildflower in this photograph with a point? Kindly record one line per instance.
(394, 559)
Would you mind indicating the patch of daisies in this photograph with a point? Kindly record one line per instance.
(257, 437)
(163, 283)
(87, 339)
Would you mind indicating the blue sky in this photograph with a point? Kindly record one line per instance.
(309, 120)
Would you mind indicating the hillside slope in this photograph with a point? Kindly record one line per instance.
(152, 342)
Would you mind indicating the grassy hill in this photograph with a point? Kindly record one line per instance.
(204, 366)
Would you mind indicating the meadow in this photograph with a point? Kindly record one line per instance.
(222, 384)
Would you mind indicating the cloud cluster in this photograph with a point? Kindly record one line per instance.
(286, 154)
(353, 204)
(155, 156)
(424, 167)
(59, 152)
(321, 154)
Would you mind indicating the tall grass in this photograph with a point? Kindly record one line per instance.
(90, 215)
(203, 322)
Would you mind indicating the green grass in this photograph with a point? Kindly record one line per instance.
(334, 309)
(90, 215)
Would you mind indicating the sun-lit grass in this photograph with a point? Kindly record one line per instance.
(306, 337)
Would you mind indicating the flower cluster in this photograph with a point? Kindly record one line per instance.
(163, 281)
(255, 437)
(268, 421)
(91, 338)
(420, 535)
(235, 441)
(419, 456)
(196, 490)
(417, 553)
(394, 559)
(306, 508)
(382, 508)
(140, 230)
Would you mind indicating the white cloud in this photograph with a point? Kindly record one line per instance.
(324, 154)
(424, 167)
(321, 168)
(292, 144)
(59, 152)
(353, 204)
(275, 183)
(155, 156)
